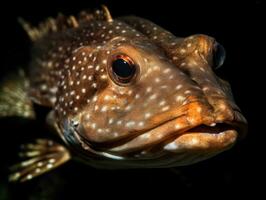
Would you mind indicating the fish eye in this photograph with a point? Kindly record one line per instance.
(123, 69)
(218, 55)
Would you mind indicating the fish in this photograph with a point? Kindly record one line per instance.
(122, 93)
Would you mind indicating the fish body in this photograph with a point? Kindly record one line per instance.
(125, 93)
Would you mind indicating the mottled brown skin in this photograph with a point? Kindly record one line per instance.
(175, 111)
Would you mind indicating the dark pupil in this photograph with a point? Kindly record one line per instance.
(122, 68)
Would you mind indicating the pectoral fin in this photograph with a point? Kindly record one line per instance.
(14, 100)
(42, 156)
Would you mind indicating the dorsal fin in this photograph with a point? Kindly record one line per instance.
(62, 22)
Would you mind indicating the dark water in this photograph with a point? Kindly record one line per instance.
(238, 26)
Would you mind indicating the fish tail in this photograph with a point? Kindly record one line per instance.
(39, 157)
(14, 99)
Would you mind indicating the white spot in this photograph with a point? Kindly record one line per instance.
(189, 45)
(165, 108)
(147, 115)
(205, 89)
(164, 86)
(180, 98)
(90, 77)
(29, 176)
(93, 125)
(104, 108)
(103, 77)
(141, 123)
(128, 107)
(72, 92)
(166, 71)
(182, 64)
(213, 124)
(194, 141)
(154, 96)
(83, 90)
(99, 130)
(178, 87)
(77, 97)
(110, 121)
(130, 123)
(148, 89)
(76, 109)
(187, 92)
(202, 69)
(119, 122)
(94, 85)
(44, 87)
(162, 103)
(171, 146)
(107, 97)
(157, 80)
(87, 117)
(104, 61)
(84, 77)
(145, 136)
(52, 160)
(49, 166)
(137, 96)
(39, 164)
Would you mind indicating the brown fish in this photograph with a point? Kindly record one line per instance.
(123, 93)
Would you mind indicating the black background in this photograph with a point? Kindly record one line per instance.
(237, 25)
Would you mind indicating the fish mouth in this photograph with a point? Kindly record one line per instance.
(182, 140)
(163, 147)
(173, 136)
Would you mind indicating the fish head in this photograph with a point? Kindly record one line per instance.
(127, 103)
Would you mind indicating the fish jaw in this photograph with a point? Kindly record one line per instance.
(191, 137)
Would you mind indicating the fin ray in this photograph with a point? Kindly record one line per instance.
(14, 100)
(62, 22)
(51, 155)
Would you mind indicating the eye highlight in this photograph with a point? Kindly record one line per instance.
(123, 69)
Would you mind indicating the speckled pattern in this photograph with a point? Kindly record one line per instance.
(175, 111)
